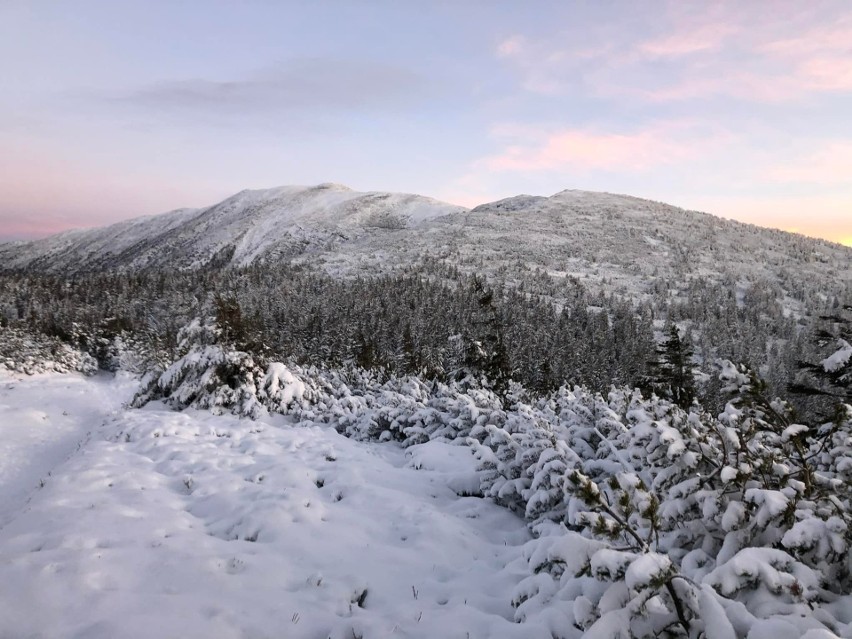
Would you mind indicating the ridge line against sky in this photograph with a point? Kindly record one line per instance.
(114, 110)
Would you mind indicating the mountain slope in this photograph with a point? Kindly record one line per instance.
(627, 242)
(615, 244)
(90, 247)
(269, 224)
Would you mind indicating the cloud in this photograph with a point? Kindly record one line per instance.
(303, 85)
(532, 150)
(834, 36)
(705, 37)
(734, 50)
(511, 46)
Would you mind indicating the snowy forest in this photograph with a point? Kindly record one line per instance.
(436, 322)
(683, 466)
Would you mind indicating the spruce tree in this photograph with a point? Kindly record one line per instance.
(671, 373)
(485, 350)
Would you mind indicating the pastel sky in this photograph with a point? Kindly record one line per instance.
(110, 110)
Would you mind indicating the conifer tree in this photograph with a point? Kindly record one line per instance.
(485, 350)
(671, 374)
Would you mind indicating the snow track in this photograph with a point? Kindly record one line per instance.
(43, 419)
(169, 524)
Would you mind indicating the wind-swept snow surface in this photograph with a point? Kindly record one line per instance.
(167, 524)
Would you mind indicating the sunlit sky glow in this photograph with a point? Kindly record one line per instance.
(109, 110)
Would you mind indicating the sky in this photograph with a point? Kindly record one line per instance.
(111, 110)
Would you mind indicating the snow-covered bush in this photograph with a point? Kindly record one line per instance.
(839, 363)
(213, 376)
(523, 463)
(657, 521)
(27, 353)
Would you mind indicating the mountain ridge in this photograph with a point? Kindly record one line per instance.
(617, 243)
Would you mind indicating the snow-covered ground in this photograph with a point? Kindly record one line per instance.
(152, 523)
(43, 419)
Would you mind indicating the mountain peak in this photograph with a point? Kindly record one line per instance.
(333, 186)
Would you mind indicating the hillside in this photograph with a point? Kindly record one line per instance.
(736, 291)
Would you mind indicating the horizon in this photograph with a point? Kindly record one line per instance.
(740, 111)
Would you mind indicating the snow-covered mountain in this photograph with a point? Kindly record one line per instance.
(260, 224)
(616, 242)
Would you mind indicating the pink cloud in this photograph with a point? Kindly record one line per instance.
(770, 64)
(826, 73)
(510, 46)
(590, 150)
(729, 49)
(705, 37)
(835, 36)
(735, 84)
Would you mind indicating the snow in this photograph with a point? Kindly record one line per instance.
(281, 386)
(728, 474)
(839, 359)
(767, 566)
(648, 569)
(37, 435)
(787, 629)
(92, 245)
(254, 224)
(154, 523)
(771, 503)
(150, 522)
(810, 532)
(716, 623)
(792, 431)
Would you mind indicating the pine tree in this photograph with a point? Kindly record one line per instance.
(485, 349)
(671, 374)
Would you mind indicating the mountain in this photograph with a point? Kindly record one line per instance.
(253, 224)
(613, 243)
